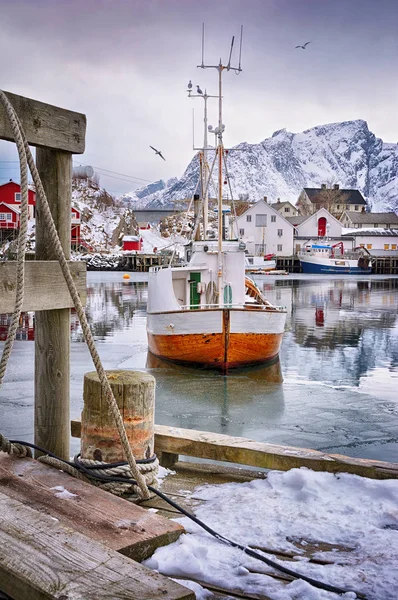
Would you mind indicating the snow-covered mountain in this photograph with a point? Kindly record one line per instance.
(280, 166)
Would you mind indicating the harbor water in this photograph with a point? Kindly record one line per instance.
(334, 387)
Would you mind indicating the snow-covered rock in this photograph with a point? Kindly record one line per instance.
(280, 166)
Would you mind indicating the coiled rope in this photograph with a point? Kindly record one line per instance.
(25, 157)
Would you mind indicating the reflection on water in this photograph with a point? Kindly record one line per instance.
(334, 387)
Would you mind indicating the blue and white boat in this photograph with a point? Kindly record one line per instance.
(321, 257)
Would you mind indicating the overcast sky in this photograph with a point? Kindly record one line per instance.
(126, 64)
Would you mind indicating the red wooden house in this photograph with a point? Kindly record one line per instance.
(132, 242)
(10, 194)
(75, 228)
(10, 202)
(9, 216)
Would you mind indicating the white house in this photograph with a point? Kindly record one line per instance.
(364, 220)
(373, 238)
(320, 224)
(265, 231)
(286, 209)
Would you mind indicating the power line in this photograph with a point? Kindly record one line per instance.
(116, 173)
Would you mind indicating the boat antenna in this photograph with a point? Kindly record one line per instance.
(203, 44)
(219, 157)
(230, 53)
(240, 49)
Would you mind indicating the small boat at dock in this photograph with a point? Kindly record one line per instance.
(260, 264)
(206, 312)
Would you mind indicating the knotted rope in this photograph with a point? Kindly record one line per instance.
(26, 157)
(15, 449)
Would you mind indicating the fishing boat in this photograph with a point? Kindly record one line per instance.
(207, 312)
(321, 257)
(259, 264)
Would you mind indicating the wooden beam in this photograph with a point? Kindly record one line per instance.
(40, 558)
(220, 447)
(119, 524)
(52, 327)
(45, 287)
(46, 125)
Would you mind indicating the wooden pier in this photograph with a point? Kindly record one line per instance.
(61, 537)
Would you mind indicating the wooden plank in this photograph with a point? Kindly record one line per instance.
(120, 525)
(46, 125)
(217, 446)
(52, 327)
(45, 287)
(41, 558)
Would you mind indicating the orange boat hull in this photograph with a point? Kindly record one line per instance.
(217, 350)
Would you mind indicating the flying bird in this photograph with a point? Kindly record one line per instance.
(199, 90)
(303, 47)
(158, 152)
(190, 85)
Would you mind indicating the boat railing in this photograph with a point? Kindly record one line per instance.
(241, 306)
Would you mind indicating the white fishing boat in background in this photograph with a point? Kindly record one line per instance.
(260, 264)
(321, 257)
(208, 313)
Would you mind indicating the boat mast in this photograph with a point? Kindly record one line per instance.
(204, 162)
(220, 152)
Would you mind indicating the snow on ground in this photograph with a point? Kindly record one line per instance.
(299, 505)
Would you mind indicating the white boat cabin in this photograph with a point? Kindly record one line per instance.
(194, 286)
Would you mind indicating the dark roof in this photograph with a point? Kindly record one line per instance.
(360, 217)
(347, 196)
(279, 204)
(372, 232)
(298, 219)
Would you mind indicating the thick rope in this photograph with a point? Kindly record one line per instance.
(25, 154)
(148, 471)
(14, 449)
(20, 275)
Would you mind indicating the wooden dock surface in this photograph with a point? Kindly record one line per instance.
(41, 558)
(120, 525)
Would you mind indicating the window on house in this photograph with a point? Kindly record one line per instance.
(369, 246)
(2, 216)
(9, 216)
(376, 225)
(260, 249)
(273, 218)
(241, 232)
(338, 206)
(287, 209)
(386, 246)
(280, 232)
(261, 220)
(279, 248)
(248, 218)
(17, 196)
(393, 246)
(356, 207)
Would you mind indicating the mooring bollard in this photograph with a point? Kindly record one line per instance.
(134, 392)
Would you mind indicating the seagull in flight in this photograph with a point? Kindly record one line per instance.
(303, 47)
(199, 90)
(158, 152)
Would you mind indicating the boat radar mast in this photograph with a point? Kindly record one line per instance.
(219, 134)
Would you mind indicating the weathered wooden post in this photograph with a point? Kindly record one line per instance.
(52, 327)
(57, 133)
(134, 392)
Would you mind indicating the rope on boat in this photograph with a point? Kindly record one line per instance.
(26, 157)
